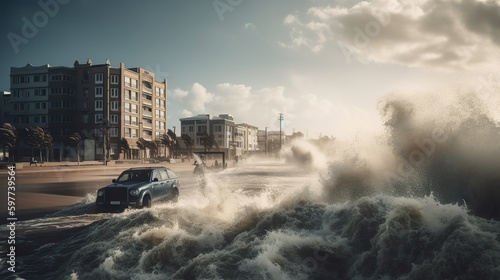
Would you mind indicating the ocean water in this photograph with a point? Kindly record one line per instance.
(419, 201)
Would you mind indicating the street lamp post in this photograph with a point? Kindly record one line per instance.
(265, 145)
(104, 127)
(139, 133)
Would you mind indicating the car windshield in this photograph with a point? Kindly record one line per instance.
(134, 176)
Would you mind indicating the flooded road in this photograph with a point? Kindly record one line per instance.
(259, 220)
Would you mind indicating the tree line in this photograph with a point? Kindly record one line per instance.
(41, 139)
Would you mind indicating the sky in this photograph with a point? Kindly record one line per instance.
(325, 65)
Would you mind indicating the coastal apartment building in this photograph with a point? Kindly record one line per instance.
(96, 100)
(234, 138)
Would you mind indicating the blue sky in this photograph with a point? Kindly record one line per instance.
(324, 64)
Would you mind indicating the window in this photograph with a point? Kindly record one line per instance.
(156, 174)
(84, 105)
(190, 128)
(114, 92)
(98, 92)
(127, 107)
(164, 175)
(36, 79)
(133, 108)
(114, 105)
(99, 78)
(43, 119)
(98, 105)
(134, 83)
(113, 132)
(37, 105)
(114, 119)
(85, 92)
(127, 81)
(114, 79)
(98, 118)
(127, 119)
(85, 118)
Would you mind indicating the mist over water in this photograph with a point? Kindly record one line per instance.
(420, 201)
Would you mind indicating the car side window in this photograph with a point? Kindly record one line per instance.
(163, 174)
(156, 174)
(171, 174)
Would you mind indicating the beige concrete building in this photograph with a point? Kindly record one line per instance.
(234, 139)
(102, 103)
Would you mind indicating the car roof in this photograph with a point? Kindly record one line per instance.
(148, 168)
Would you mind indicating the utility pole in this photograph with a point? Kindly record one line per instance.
(266, 141)
(280, 117)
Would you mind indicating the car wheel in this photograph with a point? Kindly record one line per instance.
(146, 201)
(175, 195)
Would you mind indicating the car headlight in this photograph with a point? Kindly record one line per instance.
(134, 192)
(100, 193)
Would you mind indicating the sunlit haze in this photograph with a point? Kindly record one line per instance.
(325, 65)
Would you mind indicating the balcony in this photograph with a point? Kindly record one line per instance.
(147, 102)
(147, 114)
(147, 125)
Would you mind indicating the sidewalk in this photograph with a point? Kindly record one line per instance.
(93, 165)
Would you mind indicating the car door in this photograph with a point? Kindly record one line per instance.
(167, 184)
(158, 187)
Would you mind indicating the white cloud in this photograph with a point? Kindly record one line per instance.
(198, 98)
(250, 25)
(312, 35)
(451, 34)
(179, 93)
(305, 112)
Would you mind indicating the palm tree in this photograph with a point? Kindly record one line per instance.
(76, 139)
(35, 138)
(142, 145)
(169, 140)
(174, 143)
(188, 142)
(209, 141)
(124, 146)
(8, 137)
(47, 142)
(153, 148)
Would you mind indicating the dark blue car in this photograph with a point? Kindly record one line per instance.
(140, 187)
